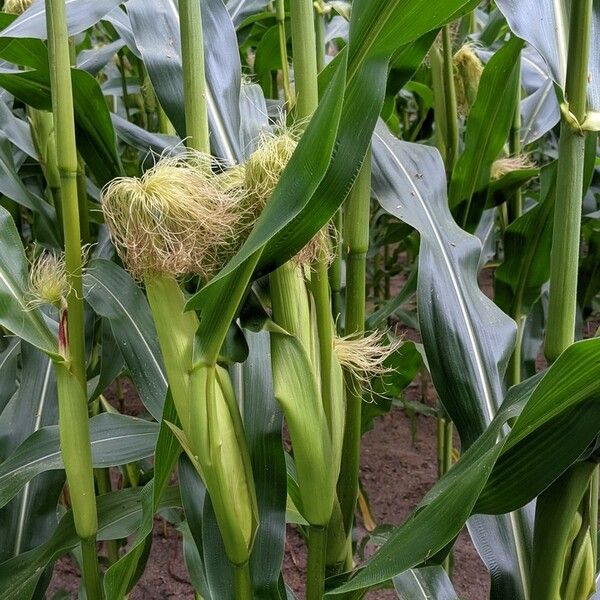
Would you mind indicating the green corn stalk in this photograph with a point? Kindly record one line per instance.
(356, 240)
(71, 375)
(554, 573)
(194, 81)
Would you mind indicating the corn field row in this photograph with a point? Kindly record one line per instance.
(267, 220)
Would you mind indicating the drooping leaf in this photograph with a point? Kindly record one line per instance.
(15, 312)
(156, 30)
(548, 410)
(119, 515)
(95, 134)
(113, 294)
(545, 25)
(467, 338)
(81, 14)
(115, 440)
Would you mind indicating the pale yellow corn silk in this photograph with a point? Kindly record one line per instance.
(467, 74)
(176, 219)
(266, 164)
(262, 172)
(48, 280)
(364, 357)
(503, 166)
(16, 7)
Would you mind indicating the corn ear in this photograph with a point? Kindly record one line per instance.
(297, 392)
(176, 329)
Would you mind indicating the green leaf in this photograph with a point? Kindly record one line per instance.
(121, 576)
(15, 314)
(545, 25)
(113, 294)
(545, 409)
(116, 440)
(263, 426)
(119, 515)
(161, 52)
(95, 135)
(31, 516)
(488, 126)
(527, 244)
(81, 14)
(12, 186)
(467, 338)
(425, 584)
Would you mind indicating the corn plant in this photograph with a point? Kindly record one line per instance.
(231, 209)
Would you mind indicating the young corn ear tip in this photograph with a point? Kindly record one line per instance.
(16, 7)
(48, 281)
(320, 248)
(467, 74)
(503, 166)
(365, 357)
(178, 218)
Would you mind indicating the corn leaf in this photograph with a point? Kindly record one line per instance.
(263, 425)
(425, 583)
(31, 516)
(467, 338)
(544, 408)
(24, 321)
(160, 49)
(488, 127)
(113, 294)
(119, 515)
(81, 14)
(121, 576)
(116, 440)
(315, 183)
(545, 25)
(95, 133)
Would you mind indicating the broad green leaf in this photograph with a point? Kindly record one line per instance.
(21, 52)
(160, 49)
(467, 338)
(119, 514)
(488, 126)
(427, 583)
(16, 130)
(81, 14)
(95, 135)
(94, 60)
(328, 157)
(545, 25)
(527, 244)
(263, 425)
(115, 439)
(13, 187)
(143, 140)
(31, 516)
(544, 408)
(15, 313)
(113, 294)
(540, 111)
(121, 576)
